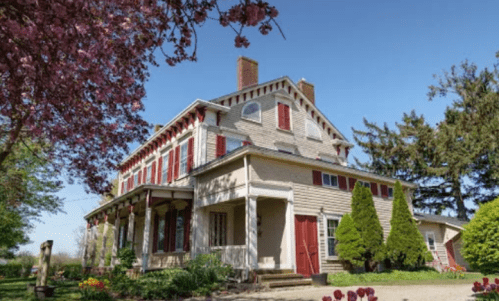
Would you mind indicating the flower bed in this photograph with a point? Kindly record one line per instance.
(367, 292)
(93, 289)
(486, 290)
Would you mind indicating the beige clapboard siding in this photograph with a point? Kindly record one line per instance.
(221, 179)
(438, 230)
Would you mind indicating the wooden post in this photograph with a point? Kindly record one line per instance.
(147, 230)
(45, 253)
(102, 259)
(116, 238)
(85, 247)
(251, 237)
(94, 242)
(131, 224)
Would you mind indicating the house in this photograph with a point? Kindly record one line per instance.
(443, 238)
(260, 175)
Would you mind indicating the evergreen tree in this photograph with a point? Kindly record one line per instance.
(405, 245)
(350, 245)
(367, 223)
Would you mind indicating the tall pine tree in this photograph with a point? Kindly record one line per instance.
(350, 245)
(367, 223)
(405, 245)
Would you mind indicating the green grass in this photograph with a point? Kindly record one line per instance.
(16, 289)
(394, 277)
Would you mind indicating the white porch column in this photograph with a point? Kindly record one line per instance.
(102, 258)
(251, 237)
(131, 225)
(95, 236)
(85, 246)
(116, 238)
(147, 230)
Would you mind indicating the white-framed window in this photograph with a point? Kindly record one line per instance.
(161, 234)
(390, 192)
(218, 229)
(313, 131)
(183, 158)
(179, 231)
(164, 172)
(136, 179)
(122, 235)
(252, 111)
(125, 185)
(149, 173)
(430, 240)
(331, 223)
(232, 143)
(365, 184)
(329, 180)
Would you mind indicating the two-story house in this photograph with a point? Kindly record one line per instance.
(260, 175)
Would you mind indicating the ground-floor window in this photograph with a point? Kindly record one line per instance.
(179, 231)
(430, 239)
(122, 235)
(330, 225)
(218, 229)
(161, 233)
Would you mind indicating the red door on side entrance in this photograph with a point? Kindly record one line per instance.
(450, 253)
(307, 263)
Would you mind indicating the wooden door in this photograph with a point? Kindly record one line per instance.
(450, 253)
(307, 249)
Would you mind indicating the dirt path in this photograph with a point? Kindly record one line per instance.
(384, 293)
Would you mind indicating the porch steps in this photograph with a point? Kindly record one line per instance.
(283, 280)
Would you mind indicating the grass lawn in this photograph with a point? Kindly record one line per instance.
(403, 278)
(15, 289)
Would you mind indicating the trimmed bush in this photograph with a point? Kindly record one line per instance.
(366, 220)
(12, 269)
(481, 239)
(350, 245)
(405, 245)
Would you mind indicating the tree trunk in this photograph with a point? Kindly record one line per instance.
(461, 208)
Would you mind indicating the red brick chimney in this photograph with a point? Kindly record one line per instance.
(307, 89)
(247, 72)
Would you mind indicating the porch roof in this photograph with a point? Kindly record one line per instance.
(439, 219)
(134, 192)
(274, 154)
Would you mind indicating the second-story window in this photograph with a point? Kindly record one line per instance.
(233, 143)
(164, 170)
(251, 111)
(183, 158)
(313, 131)
(283, 116)
(125, 185)
(136, 179)
(149, 173)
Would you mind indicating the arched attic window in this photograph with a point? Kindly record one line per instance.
(313, 131)
(252, 111)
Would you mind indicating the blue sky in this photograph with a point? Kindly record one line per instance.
(366, 59)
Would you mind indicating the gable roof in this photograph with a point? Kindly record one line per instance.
(439, 219)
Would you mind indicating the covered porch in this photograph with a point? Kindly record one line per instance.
(155, 220)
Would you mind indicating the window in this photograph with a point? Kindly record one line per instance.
(365, 184)
(165, 168)
(161, 233)
(251, 111)
(122, 236)
(330, 226)
(283, 116)
(390, 192)
(149, 173)
(136, 179)
(232, 144)
(179, 231)
(430, 239)
(183, 158)
(125, 185)
(313, 131)
(329, 180)
(218, 229)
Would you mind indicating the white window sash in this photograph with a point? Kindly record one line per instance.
(327, 217)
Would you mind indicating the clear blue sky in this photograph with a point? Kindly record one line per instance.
(366, 59)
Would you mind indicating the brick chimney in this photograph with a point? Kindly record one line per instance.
(247, 72)
(307, 89)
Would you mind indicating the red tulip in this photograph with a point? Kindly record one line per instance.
(338, 295)
(485, 281)
(361, 292)
(496, 281)
(327, 298)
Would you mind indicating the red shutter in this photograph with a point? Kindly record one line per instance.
(176, 168)
(166, 242)
(374, 188)
(155, 234)
(246, 142)
(280, 115)
(220, 148)
(144, 175)
(153, 173)
(342, 182)
(173, 226)
(140, 177)
(129, 183)
(317, 177)
(384, 191)
(160, 167)
(190, 154)
(351, 183)
(187, 227)
(170, 166)
(287, 122)
(122, 187)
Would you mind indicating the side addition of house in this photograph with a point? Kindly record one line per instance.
(260, 175)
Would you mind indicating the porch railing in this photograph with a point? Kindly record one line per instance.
(233, 255)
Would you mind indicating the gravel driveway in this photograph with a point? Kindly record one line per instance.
(384, 293)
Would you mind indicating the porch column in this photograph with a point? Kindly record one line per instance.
(102, 258)
(95, 236)
(147, 230)
(251, 237)
(85, 246)
(131, 225)
(116, 238)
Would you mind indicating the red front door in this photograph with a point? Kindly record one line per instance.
(450, 253)
(307, 250)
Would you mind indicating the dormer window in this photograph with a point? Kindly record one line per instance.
(313, 131)
(252, 111)
(283, 116)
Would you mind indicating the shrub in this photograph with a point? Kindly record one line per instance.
(367, 222)
(350, 245)
(11, 269)
(480, 236)
(405, 245)
(72, 271)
